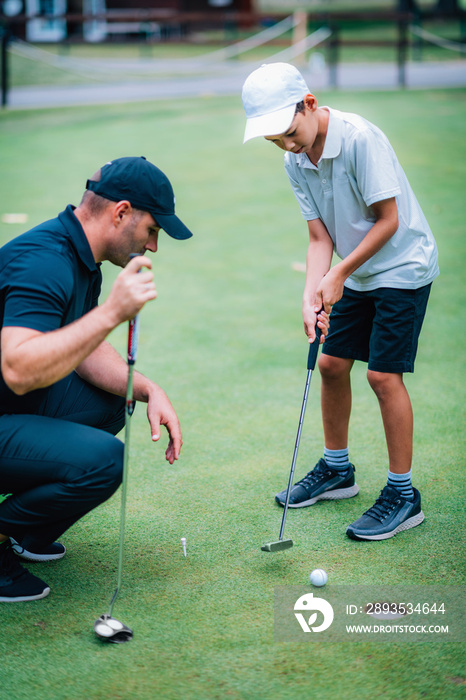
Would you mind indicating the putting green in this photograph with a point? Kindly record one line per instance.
(225, 340)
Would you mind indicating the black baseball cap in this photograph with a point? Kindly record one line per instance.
(143, 185)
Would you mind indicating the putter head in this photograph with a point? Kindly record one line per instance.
(112, 630)
(277, 546)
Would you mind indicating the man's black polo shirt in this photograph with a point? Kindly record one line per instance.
(48, 279)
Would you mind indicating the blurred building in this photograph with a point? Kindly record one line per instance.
(47, 25)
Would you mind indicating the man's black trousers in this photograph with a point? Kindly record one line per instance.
(60, 462)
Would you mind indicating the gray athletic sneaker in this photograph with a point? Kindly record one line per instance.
(321, 484)
(390, 514)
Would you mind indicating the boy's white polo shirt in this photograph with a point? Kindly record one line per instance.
(359, 167)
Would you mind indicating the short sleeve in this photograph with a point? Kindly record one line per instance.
(37, 288)
(374, 163)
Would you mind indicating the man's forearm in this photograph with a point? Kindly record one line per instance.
(106, 369)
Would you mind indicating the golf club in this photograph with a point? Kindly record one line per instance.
(281, 544)
(107, 627)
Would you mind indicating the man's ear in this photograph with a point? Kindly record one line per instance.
(120, 211)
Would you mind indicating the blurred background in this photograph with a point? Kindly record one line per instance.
(165, 48)
(86, 81)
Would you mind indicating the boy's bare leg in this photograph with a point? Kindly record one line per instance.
(395, 510)
(397, 416)
(320, 483)
(335, 400)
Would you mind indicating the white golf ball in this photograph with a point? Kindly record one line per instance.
(318, 577)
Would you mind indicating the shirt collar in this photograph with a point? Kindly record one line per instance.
(332, 145)
(78, 238)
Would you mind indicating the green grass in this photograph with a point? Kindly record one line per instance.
(225, 340)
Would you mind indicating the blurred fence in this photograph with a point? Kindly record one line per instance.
(330, 35)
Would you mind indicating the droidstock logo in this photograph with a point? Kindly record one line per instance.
(308, 603)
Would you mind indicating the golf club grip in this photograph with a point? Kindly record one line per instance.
(314, 349)
(133, 338)
(133, 331)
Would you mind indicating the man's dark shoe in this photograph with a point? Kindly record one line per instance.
(16, 583)
(321, 484)
(53, 551)
(390, 514)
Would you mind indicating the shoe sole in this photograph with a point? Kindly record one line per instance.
(38, 557)
(32, 556)
(406, 525)
(333, 495)
(25, 599)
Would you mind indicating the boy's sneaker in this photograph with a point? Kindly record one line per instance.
(321, 484)
(16, 583)
(53, 551)
(390, 514)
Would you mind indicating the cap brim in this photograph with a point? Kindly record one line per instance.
(172, 225)
(270, 124)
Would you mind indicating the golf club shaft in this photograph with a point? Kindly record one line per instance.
(129, 400)
(295, 453)
(311, 363)
(133, 337)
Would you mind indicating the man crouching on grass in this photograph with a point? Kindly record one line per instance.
(62, 385)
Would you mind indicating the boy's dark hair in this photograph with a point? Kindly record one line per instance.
(300, 107)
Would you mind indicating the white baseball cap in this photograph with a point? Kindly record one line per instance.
(270, 95)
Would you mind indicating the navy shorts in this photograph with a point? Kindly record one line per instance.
(380, 327)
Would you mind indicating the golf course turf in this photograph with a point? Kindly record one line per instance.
(225, 340)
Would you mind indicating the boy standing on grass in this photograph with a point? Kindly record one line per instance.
(357, 202)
